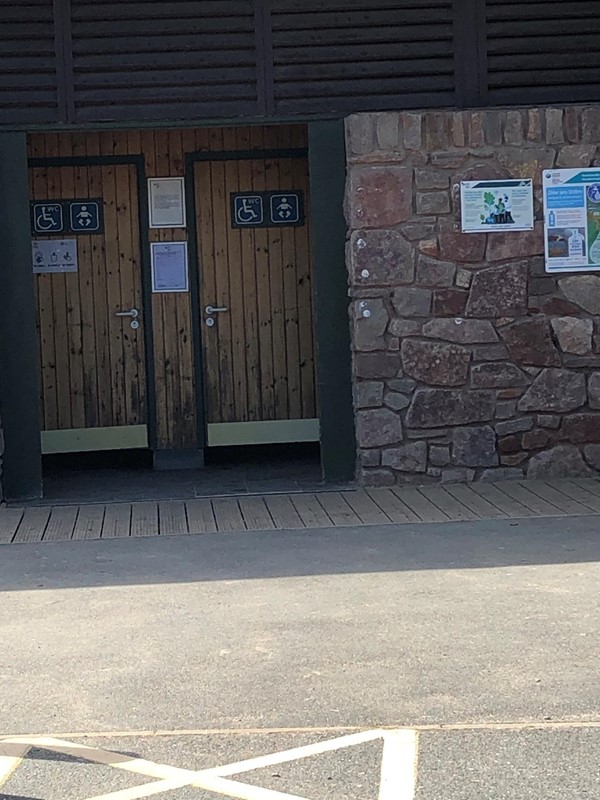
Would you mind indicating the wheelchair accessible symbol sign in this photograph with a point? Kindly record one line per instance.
(67, 216)
(47, 218)
(267, 209)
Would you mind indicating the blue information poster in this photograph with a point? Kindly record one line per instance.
(572, 220)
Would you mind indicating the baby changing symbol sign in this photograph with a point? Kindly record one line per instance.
(285, 208)
(85, 216)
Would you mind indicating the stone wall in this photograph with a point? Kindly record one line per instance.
(469, 361)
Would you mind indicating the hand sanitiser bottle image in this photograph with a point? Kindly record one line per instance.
(552, 220)
(575, 244)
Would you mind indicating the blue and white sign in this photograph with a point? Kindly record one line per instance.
(47, 217)
(285, 208)
(267, 209)
(572, 220)
(84, 217)
(67, 216)
(248, 210)
(54, 255)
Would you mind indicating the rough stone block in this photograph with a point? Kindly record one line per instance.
(537, 440)
(557, 390)
(427, 178)
(360, 134)
(574, 335)
(492, 126)
(461, 331)
(475, 447)
(379, 196)
(423, 229)
(405, 385)
(430, 247)
(514, 426)
(369, 458)
(501, 474)
(369, 330)
(457, 475)
(405, 327)
(505, 409)
(458, 246)
(412, 302)
(514, 459)
(592, 455)
(406, 458)
(377, 365)
(436, 408)
(378, 428)
(575, 156)
(572, 123)
(583, 290)
(504, 246)
(554, 126)
(396, 401)
(560, 462)
(449, 302)
(433, 203)
(548, 421)
(513, 129)
(413, 130)
(499, 291)
(381, 258)
(388, 132)
(530, 342)
(431, 272)
(439, 455)
(509, 445)
(590, 124)
(376, 477)
(594, 390)
(368, 394)
(448, 159)
(435, 363)
(556, 306)
(581, 429)
(497, 375)
(527, 162)
(463, 278)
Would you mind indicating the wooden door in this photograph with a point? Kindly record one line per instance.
(258, 353)
(92, 362)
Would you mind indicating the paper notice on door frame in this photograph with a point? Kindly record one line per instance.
(166, 201)
(169, 267)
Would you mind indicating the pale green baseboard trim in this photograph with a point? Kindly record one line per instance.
(224, 434)
(80, 440)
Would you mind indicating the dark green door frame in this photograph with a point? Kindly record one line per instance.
(327, 163)
(19, 381)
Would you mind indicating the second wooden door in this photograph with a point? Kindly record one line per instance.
(256, 303)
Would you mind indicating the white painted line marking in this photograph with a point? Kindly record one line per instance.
(296, 753)
(11, 755)
(399, 766)
(139, 792)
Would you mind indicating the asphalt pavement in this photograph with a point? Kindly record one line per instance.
(186, 654)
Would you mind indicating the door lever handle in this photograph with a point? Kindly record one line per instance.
(131, 313)
(215, 309)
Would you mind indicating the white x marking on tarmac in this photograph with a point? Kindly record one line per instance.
(397, 782)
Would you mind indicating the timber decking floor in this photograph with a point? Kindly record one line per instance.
(399, 506)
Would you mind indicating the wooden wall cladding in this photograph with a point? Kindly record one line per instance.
(83, 61)
(164, 152)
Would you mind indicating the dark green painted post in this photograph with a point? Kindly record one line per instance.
(19, 389)
(327, 155)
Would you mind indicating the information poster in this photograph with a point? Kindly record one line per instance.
(572, 220)
(169, 267)
(493, 206)
(54, 255)
(166, 198)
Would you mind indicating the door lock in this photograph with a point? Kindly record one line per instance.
(215, 309)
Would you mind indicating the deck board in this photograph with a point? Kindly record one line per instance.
(433, 503)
